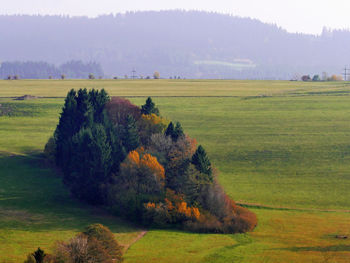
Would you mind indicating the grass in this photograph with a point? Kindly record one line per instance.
(275, 144)
(166, 88)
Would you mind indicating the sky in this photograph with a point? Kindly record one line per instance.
(305, 16)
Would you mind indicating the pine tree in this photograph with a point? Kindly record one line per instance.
(170, 130)
(66, 128)
(178, 131)
(149, 107)
(131, 139)
(98, 100)
(118, 150)
(39, 255)
(101, 151)
(91, 164)
(202, 163)
(174, 132)
(84, 109)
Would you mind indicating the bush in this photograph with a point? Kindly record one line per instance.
(96, 244)
(103, 235)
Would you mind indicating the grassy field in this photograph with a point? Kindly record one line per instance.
(283, 148)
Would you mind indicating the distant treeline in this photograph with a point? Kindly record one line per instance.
(42, 70)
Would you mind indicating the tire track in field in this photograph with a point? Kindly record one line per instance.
(139, 236)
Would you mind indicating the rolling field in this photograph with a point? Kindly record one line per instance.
(282, 148)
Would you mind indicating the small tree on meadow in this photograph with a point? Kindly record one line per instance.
(306, 78)
(149, 107)
(156, 75)
(63, 76)
(106, 238)
(39, 255)
(316, 78)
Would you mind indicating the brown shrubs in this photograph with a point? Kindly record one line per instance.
(96, 245)
(173, 210)
(118, 109)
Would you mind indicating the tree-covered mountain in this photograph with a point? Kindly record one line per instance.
(182, 43)
(42, 70)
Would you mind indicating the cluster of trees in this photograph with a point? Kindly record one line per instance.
(41, 70)
(140, 165)
(325, 77)
(95, 245)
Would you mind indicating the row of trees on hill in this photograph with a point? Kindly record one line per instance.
(95, 245)
(41, 70)
(140, 165)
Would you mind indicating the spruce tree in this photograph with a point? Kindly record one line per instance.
(149, 107)
(66, 128)
(202, 163)
(174, 132)
(118, 150)
(170, 130)
(131, 138)
(178, 131)
(84, 109)
(98, 99)
(101, 150)
(39, 255)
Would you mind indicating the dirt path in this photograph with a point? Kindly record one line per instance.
(141, 235)
(256, 205)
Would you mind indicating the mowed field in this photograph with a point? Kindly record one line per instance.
(281, 148)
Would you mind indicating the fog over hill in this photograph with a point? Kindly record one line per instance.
(187, 44)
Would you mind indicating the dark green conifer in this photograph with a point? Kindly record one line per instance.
(149, 107)
(170, 130)
(66, 128)
(84, 109)
(202, 163)
(131, 138)
(118, 150)
(98, 100)
(91, 164)
(39, 255)
(178, 131)
(174, 132)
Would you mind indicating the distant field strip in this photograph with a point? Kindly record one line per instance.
(168, 88)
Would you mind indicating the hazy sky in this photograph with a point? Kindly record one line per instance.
(308, 16)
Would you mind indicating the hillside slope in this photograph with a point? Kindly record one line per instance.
(187, 44)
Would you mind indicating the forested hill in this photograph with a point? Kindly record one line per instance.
(187, 44)
(75, 69)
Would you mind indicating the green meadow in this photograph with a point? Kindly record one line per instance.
(281, 148)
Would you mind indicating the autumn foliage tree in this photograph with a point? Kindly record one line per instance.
(96, 245)
(141, 166)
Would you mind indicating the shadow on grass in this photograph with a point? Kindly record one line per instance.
(33, 197)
